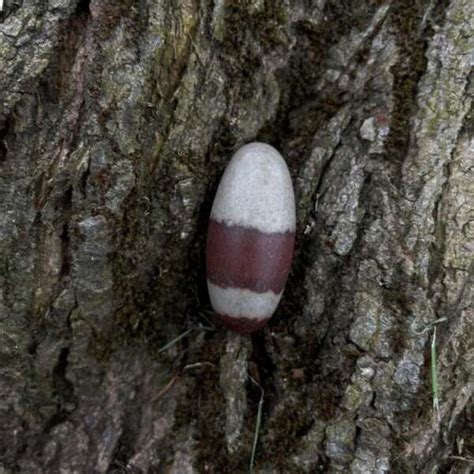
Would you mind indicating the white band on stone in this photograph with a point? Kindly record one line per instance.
(243, 303)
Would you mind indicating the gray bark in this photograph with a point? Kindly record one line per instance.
(116, 122)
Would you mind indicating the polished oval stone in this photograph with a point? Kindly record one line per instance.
(250, 238)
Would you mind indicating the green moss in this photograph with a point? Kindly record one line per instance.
(406, 17)
(247, 34)
(265, 26)
(287, 432)
(205, 406)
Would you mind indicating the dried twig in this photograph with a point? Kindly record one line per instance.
(165, 389)
(257, 424)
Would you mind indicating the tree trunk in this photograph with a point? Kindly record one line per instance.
(116, 122)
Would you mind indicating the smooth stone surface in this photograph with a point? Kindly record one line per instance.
(239, 257)
(256, 191)
(250, 238)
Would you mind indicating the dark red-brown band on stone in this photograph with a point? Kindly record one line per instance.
(239, 257)
(242, 325)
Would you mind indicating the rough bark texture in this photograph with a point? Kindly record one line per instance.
(117, 119)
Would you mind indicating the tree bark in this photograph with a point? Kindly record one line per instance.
(117, 120)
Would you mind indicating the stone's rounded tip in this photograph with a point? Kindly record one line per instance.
(242, 325)
(259, 147)
(256, 191)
